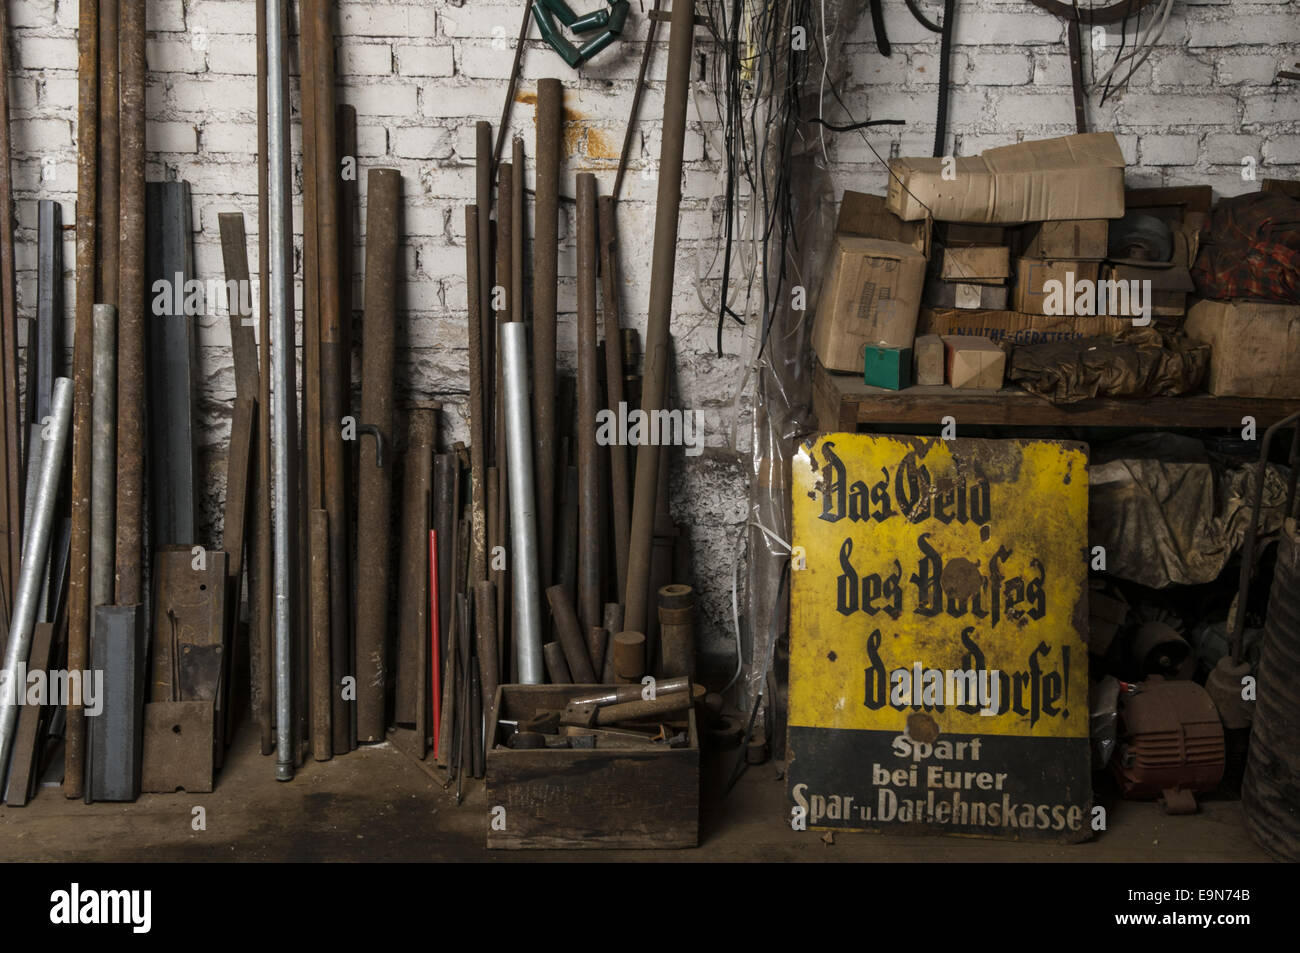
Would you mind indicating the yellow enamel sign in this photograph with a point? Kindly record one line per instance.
(938, 670)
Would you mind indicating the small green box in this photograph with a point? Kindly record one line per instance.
(888, 367)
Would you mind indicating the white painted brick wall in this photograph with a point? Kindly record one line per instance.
(421, 73)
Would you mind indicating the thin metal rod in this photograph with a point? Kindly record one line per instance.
(283, 396)
(635, 112)
(523, 525)
(618, 462)
(654, 386)
(52, 453)
(550, 99)
(74, 771)
(589, 501)
(13, 475)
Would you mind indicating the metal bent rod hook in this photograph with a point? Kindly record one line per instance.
(612, 20)
(374, 431)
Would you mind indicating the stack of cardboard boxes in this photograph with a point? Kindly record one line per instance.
(1031, 244)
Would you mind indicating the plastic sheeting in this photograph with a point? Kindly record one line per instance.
(1169, 512)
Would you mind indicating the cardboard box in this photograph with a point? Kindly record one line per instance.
(1033, 275)
(928, 360)
(888, 367)
(976, 263)
(1072, 177)
(1255, 347)
(967, 295)
(958, 234)
(871, 295)
(1076, 239)
(866, 215)
(974, 363)
(1012, 327)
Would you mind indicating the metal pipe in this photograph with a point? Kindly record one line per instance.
(629, 657)
(618, 463)
(413, 568)
(283, 418)
(557, 668)
(322, 746)
(29, 584)
(523, 526)
(261, 586)
(374, 510)
(550, 129)
(74, 770)
(485, 606)
(109, 194)
(654, 388)
(13, 476)
(477, 403)
(589, 496)
(132, 412)
(570, 635)
(487, 324)
(631, 693)
(104, 456)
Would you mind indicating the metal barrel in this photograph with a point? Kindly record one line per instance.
(523, 523)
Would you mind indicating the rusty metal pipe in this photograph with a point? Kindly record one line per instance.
(621, 504)
(477, 424)
(523, 522)
(82, 376)
(550, 130)
(13, 471)
(655, 384)
(589, 497)
(483, 200)
(485, 606)
(570, 635)
(384, 187)
(132, 412)
(104, 453)
(109, 150)
(322, 747)
(413, 567)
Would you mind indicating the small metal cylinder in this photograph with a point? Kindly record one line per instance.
(629, 657)
(570, 635)
(660, 705)
(557, 669)
(677, 630)
(104, 456)
(29, 582)
(523, 524)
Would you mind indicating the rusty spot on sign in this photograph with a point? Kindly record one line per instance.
(961, 578)
(921, 727)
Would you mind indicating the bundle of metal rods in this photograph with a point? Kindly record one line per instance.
(562, 559)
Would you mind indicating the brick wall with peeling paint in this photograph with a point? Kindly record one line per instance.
(420, 74)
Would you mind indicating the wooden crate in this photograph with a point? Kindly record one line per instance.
(587, 798)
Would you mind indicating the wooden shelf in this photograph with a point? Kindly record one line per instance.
(842, 402)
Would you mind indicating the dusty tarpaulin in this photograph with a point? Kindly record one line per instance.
(1138, 362)
(1169, 512)
(1252, 250)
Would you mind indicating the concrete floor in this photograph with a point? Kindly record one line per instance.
(380, 804)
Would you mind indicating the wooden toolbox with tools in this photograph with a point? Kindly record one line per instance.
(616, 791)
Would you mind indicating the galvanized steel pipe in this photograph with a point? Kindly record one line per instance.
(29, 582)
(283, 396)
(523, 524)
